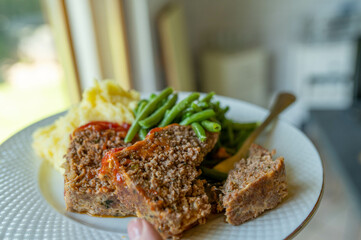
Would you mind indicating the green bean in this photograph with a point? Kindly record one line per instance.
(211, 126)
(166, 112)
(222, 112)
(141, 106)
(200, 116)
(143, 133)
(245, 126)
(224, 123)
(199, 130)
(216, 106)
(153, 119)
(148, 109)
(187, 110)
(225, 110)
(140, 103)
(179, 107)
(240, 138)
(188, 114)
(163, 102)
(203, 105)
(208, 97)
(213, 174)
(214, 119)
(195, 107)
(152, 96)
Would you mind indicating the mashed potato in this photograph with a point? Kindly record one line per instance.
(106, 101)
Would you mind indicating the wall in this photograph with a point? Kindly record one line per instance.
(273, 24)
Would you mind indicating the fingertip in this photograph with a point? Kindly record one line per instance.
(135, 228)
(140, 229)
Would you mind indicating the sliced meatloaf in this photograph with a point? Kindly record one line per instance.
(256, 184)
(84, 192)
(159, 175)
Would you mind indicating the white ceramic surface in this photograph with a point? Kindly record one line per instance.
(32, 205)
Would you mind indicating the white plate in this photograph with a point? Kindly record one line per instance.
(32, 205)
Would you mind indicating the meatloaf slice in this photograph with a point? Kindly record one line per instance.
(84, 192)
(160, 173)
(256, 184)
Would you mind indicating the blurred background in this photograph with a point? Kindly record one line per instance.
(51, 50)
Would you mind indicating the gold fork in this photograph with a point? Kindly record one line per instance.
(283, 101)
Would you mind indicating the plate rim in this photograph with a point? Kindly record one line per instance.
(314, 209)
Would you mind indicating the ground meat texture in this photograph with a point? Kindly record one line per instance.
(256, 184)
(215, 196)
(84, 192)
(160, 173)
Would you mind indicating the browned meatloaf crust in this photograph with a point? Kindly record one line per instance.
(84, 192)
(256, 184)
(161, 176)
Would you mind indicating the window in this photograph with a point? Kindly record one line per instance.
(32, 85)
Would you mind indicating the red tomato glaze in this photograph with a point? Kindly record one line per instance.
(103, 125)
